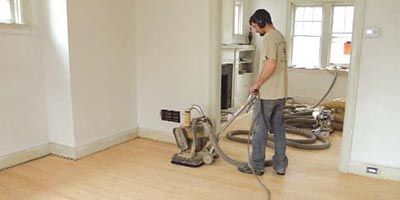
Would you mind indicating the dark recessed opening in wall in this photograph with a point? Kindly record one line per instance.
(226, 86)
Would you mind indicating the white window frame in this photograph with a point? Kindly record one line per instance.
(16, 13)
(240, 18)
(240, 38)
(326, 38)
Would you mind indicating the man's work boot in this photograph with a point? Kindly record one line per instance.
(245, 168)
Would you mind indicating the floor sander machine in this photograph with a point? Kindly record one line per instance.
(197, 139)
(193, 141)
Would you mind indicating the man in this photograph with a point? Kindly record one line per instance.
(272, 89)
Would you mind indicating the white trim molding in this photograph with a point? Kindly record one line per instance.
(352, 87)
(73, 153)
(62, 151)
(360, 168)
(159, 136)
(76, 153)
(24, 156)
(215, 47)
(106, 143)
(15, 29)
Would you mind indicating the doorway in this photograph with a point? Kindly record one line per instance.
(350, 88)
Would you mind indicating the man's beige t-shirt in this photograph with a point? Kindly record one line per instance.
(274, 48)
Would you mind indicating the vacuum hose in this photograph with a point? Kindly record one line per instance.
(214, 134)
(295, 122)
(328, 91)
(307, 144)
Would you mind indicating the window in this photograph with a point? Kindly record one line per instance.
(307, 36)
(341, 34)
(10, 12)
(238, 20)
(321, 35)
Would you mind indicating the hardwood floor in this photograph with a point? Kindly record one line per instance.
(141, 169)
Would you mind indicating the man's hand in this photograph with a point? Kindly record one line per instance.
(255, 88)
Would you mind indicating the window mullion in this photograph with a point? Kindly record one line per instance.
(326, 35)
(12, 11)
(17, 12)
(291, 33)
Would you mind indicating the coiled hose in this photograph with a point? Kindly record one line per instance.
(295, 123)
(307, 144)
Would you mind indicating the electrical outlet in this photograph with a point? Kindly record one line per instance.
(373, 32)
(372, 170)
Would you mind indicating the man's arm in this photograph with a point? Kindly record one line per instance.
(268, 70)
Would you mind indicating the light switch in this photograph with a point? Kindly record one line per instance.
(372, 32)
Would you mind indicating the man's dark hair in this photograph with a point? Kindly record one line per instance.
(261, 17)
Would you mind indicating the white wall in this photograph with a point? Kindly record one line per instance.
(306, 85)
(23, 116)
(227, 21)
(376, 133)
(310, 85)
(172, 49)
(103, 76)
(56, 64)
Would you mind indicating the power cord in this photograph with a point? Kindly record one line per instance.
(266, 189)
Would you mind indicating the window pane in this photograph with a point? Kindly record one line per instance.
(316, 28)
(299, 28)
(317, 14)
(341, 49)
(308, 13)
(338, 19)
(238, 30)
(340, 52)
(307, 37)
(349, 19)
(299, 14)
(306, 51)
(343, 19)
(5, 11)
(308, 28)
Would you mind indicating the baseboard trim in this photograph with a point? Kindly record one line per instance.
(68, 152)
(106, 143)
(388, 173)
(62, 151)
(159, 136)
(20, 157)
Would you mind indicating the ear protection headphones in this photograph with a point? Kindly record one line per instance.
(261, 17)
(261, 23)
